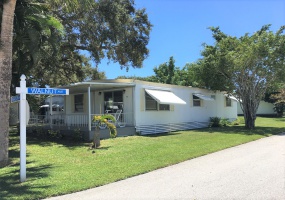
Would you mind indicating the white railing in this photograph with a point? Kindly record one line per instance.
(124, 119)
(76, 120)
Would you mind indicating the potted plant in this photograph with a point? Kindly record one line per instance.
(106, 121)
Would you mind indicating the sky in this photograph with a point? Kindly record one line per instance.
(180, 27)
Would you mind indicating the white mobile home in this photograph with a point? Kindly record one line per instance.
(143, 107)
(264, 109)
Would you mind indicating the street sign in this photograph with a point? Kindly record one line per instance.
(15, 98)
(48, 91)
(23, 91)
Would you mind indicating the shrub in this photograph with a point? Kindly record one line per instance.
(219, 122)
(54, 134)
(236, 122)
(77, 135)
(225, 122)
(215, 122)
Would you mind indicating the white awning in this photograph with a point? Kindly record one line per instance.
(204, 97)
(165, 97)
(231, 97)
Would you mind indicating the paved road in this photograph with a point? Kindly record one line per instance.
(255, 170)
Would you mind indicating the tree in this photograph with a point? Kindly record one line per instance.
(8, 8)
(106, 28)
(38, 49)
(107, 121)
(165, 72)
(245, 66)
(278, 99)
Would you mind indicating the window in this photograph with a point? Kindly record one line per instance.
(113, 101)
(196, 101)
(228, 102)
(78, 103)
(152, 104)
(164, 107)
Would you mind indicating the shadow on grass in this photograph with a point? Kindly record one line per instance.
(10, 185)
(14, 140)
(264, 131)
(162, 134)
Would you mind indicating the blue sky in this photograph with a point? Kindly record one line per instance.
(180, 27)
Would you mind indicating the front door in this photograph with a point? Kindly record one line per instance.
(113, 101)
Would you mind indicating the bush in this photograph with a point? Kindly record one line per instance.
(219, 122)
(54, 134)
(215, 122)
(236, 122)
(225, 122)
(77, 135)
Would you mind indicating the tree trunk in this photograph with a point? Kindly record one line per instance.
(5, 77)
(96, 139)
(249, 107)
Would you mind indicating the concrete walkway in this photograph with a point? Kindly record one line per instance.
(255, 170)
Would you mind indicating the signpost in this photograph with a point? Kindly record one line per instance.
(23, 90)
(15, 98)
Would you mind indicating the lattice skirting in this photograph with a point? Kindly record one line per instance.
(164, 128)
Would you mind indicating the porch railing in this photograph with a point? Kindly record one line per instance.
(75, 120)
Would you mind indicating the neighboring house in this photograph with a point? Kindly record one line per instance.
(142, 107)
(264, 108)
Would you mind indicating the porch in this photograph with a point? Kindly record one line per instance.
(67, 123)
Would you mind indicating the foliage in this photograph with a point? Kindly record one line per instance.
(49, 37)
(225, 122)
(168, 73)
(77, 135)
(122, 35)
(245, 66)
(219, 122)
(100, 121)
(122, 31)
(50, 163)
(279, 108)
(215, 122)
(278, 99)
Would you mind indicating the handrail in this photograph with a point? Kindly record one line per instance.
(78, 120)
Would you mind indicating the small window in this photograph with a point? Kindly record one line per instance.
(196, 101)
(228, 102)
(78, 103)
(152, 104)
(164, 107)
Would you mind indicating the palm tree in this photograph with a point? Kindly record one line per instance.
(8, 8)
(7, 11)
(105, 121)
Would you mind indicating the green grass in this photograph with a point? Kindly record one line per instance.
(55, 168)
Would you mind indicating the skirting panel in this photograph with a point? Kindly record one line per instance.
(164, 128)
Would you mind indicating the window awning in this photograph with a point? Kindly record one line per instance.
(204, 97)
(165, 97)
(231, 97)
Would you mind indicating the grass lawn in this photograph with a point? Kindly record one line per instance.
(60, 167)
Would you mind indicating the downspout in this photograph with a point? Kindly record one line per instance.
(89, 109)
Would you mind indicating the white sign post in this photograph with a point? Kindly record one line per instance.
(23, 91)
(22, 128)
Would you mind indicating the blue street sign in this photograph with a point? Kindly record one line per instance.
(15, 98)
(53, 91)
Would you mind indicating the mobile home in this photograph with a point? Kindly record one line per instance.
(142, 107)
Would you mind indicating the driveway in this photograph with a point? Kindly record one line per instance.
(255, 170)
